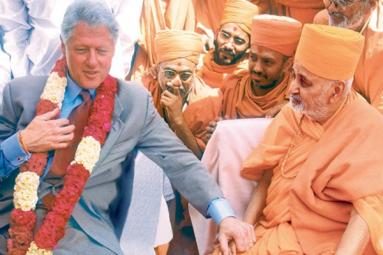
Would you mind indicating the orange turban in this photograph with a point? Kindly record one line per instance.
(240, 12)
(329, 52)
(173, 44)
(276, 33)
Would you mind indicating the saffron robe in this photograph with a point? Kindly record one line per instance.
(177, 14)
(320, 173)
(302, 10)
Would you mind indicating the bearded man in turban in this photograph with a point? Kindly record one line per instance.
(231, 43)
(318, 168)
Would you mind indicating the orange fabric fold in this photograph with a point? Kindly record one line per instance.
(302, 10)
(240, 102)
(204, 106)
(371, 210)
(177, 14)
(280, 34)
(214, 74)
(173, 44)
(329, 52)
(317, 177)
(368, 79)
(240, 12)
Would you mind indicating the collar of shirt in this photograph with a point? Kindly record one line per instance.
(72, 97)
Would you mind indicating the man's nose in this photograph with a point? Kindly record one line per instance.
(294, 88)
(332, 6)
(92, 58)
(257, 67)
(176, 82)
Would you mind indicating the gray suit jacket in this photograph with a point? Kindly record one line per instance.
(136, 126)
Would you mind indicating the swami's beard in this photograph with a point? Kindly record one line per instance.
(320, 110)
(354, 23)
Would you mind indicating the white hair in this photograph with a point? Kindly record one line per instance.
(93, 13)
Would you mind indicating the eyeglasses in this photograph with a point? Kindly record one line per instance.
(171, 74)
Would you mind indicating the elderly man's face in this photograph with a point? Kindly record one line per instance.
(89, 52)
(310, 94)
(351, 14)
(231, 44)
(176, 73)
(266, 67)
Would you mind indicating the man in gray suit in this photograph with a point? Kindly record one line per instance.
(89, 32)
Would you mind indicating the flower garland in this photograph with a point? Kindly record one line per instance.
(23, 217)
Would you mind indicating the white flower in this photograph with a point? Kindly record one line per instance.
(34, 250)
(25, 195)
(54, 89)
(88, 153)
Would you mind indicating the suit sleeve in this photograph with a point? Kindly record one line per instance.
(185, 171)
(11, 153)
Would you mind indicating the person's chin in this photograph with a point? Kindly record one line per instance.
(90, 83)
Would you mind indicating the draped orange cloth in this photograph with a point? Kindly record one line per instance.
(320, 173)
(239, 100)
(204, 105)
(368, 79)
(214, 74)
(159, 15)
(302, 10)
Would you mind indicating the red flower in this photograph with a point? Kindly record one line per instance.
(21, 218)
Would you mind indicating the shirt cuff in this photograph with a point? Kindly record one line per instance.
(13, 152)
(219, 209)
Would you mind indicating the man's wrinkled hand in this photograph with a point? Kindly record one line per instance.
(45, 133)
(210, 129)
(240, 232)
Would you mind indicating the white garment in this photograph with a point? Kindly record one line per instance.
(231, 143)
(5, 72)
(32, 34)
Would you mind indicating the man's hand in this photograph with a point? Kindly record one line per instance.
(45, 133)
(239, 231)
(173, 104)
(210, 129)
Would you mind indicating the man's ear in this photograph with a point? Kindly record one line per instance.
(338, 91)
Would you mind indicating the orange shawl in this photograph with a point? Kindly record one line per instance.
(214, 74)
(239, 100)
(302, 10)
(204, 106)
(320, 173)
(368, 79)
(179, 14)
